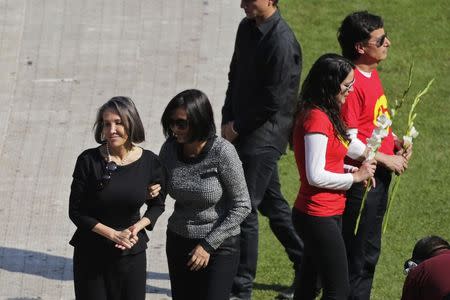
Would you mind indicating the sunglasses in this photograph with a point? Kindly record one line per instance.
(181, 124)
(348, 86)
(109, 168)
(380, 41)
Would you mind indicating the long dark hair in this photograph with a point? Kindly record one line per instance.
(322, 85)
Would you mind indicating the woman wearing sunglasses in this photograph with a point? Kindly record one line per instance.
(108, 189)
(320, 145)
(206, 179)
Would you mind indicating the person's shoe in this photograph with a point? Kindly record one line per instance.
(233, 297)
(288, 294)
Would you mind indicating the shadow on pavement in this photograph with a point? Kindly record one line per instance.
(36, 263)
(54, 267)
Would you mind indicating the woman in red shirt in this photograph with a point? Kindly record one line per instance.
(320, 145)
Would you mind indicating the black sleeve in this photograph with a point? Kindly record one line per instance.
(227, 109)
(280, 70)
(79, 195)
(155, 206)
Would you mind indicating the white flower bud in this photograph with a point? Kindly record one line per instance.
(380, 132)
(393, 112)
(407, 140)
(413, 132)
(374, 142)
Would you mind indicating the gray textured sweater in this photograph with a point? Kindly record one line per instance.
(211, 196)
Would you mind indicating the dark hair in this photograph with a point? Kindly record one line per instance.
(322, 85)
(199, 112)
(129, 115)
(424, 249)
(356, 28)
(427, 246)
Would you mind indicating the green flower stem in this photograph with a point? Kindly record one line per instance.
(363, 203)
(411, 117)
(399, 103)
(390, 200)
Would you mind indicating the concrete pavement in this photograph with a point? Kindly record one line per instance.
(59, 61)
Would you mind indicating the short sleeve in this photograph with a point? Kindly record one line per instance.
(318, 122)
(351, 109)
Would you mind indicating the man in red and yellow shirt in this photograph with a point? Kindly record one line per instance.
(364, 41)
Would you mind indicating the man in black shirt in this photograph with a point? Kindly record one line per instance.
(257, 117)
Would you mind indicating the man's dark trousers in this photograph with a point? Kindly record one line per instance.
(261, 174)
(363, 249)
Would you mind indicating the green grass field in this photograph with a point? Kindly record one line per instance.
(419, 31)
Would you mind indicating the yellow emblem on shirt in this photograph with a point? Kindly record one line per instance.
(381, 107)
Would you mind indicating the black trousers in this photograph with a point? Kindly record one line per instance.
(363, 249)
(103, 276)
(261, 174)
(211, 283)
(325, 257)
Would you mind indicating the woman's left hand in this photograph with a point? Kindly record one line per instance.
(199, 258)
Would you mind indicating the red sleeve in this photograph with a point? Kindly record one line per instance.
(318, 122)
(351, 109)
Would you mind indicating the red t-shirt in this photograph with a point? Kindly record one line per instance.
(362, 108)
(312, 200)
(430, 280)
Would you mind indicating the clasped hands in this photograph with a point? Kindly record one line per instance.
(126, 238)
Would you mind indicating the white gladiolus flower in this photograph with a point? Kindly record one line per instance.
(374, 141)
(380, 132)
(413, 132)
(383, 121)
(407, 140)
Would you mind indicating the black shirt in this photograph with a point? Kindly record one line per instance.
(263, 84)
(117, 204)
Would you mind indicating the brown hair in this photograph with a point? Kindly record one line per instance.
(127, 111)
